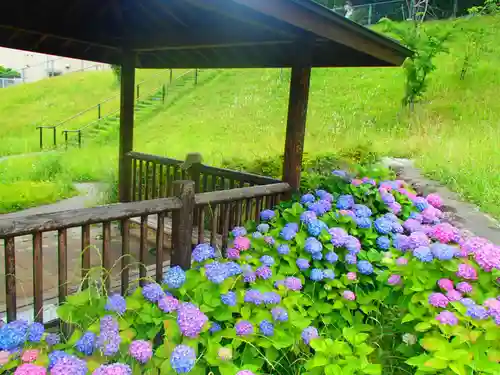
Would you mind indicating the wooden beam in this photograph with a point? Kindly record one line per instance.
(296, 125)
(127, 102)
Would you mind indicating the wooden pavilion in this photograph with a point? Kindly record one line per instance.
(296, 34)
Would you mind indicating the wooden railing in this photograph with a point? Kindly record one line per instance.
(113, 223)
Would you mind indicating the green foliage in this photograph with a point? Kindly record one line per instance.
(8, 73)
(426, 45)
(117, 71)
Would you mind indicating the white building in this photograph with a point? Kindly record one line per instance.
(36, 66)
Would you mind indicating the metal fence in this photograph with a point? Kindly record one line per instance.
(6, 82)
(369, 14)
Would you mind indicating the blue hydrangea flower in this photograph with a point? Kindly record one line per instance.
(152, 292)
(345, 202)
(283, 249)
(279, 314)
(238, 232)
(116, 303)
(257, 235)
(329, 274)
(267, 260)
(233, 269)
(263, 228)
(214, 327)
(302, 263)
(271, 298)
(35, 332)
(320, 207)
(331, 257)
(264, 272)
(307, 216)
(216, 272)
(416, 216)
(351, 258)
(266, 328)
(86, 344)
(383, 225)
(391, 217)
(267, 215)
(249, 277)
(477, 312)
(340, 173)
(314, 227)
(229, 298)
(442, 251)
(401, 242)
(365, 267)
(360, 210)
(420, 203)
(288, 234)
(317, 256)
(312, 245)
(316, 274)
(397, 228)
(423, 254)
(467, 302)
(307, 198)
(309, 334)
(388, 198)
(292, 226)
(383, 242)
(55, 357)
(364, 222)
(204, 251)
(183, 359)
(324, 195)
(52, 339)
(174, 277)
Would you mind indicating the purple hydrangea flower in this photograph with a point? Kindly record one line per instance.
(307, 216)
(190, 319)
(86, 344)
(253, 296)
(477, 312)
(454, 295)
(152, 292)
(204, 251)
(401, 261)
(324, 195)
(383, 225)
(56, 356)
(397, 228)
(264, 272)
(302, 263)
(339, 236)
(467, 272)
(345, 202)
(293, 283)
(249, 277)
(174, 277)
(233, 254)
(263, 228)
(348, 295)
(236, 232)
(316, 274)
(229, 298)
(383, 242)
(52, 339)
(464, 287)
(365, 267)
(443, 251)
(216, 272)
(331, 257)
(350, 258)
(35, 332)
(279, 314)
(271, 298)
(141, 350)
(418, 239)
(438, 300)
(269, 240)
(352, 245)
(467, 302)
(412, 225)
(267, 215)
(244, 328)
(388, 198)
(266, 328)
(69, 364)
(447, 318)
(401, 242)
(424, 254)
(183, 359)
(117, 304)
(168, 304)
(309, 334)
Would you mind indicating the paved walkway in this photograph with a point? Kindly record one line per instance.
(16, 156)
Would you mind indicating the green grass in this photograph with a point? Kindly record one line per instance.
(453, 134)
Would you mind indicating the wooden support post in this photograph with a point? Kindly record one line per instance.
(296, 125)
(127, 102)
(182, 225)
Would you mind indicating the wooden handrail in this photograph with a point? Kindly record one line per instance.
(154, 158)
(13, 225)
(227, 196)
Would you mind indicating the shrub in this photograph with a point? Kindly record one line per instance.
(362, 278)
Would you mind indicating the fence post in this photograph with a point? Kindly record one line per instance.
(193, 161)
(196, 76)
(171, 74)
(182, 224)
(138, 85)
(41, 137)
(54, 135)
(99, 111)
(66, 138)
(79, 138)
(370, 11)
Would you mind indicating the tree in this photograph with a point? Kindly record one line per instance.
(117, 71)
(8, 73)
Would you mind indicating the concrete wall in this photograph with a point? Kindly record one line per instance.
(36, 66)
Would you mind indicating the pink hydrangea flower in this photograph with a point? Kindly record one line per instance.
(394, 280)
(233, 254)
(30, 355)
(473, 244)
(4, 357)
(447, 318)
(356, 182)
(467, 272)
(438, 300)
(454, 295)
(493, 306)
(488, 257)
(395, 208)
(241, 243)
(401, 261)
(446, 284)
(30, 369)
(464, 287)
(348, 295)
(383, 190)
(352, 276)
(434, 200)
(445, 233)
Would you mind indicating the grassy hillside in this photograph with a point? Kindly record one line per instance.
(454, 134)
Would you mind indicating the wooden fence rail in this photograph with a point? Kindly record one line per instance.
(218, 211)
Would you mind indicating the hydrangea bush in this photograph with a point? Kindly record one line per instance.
(359, 276)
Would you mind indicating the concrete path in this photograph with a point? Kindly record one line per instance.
(17, 156)
(460, 213)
